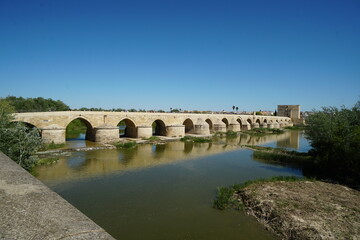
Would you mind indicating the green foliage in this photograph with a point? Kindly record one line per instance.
(231, 134)
(258, 113)
(175, 110)
(52, 145)
(47, 161)
(126, 145)
(74, 128)
(335, 137)
(17, 141)
(38, 104)
(6, 109)
(153, 138)
(224, 198)
(284, 157)
(196, 139)
(20, 143)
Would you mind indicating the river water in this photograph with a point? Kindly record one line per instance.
(165, 191)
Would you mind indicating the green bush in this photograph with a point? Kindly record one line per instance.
(231, 134)
(335, 137)
(127, 145)
(195, 139)
(17, 141)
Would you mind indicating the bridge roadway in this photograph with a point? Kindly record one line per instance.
(103, 126)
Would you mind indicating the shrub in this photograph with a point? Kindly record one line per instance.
(335, 137)
(126, 145)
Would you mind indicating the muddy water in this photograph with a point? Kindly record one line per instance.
(165, 191)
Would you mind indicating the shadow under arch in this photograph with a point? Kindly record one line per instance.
(224, 120)
(158, 128)
(240, 122)
(208, 121)
(80, 128)
(189, 126)
(127, 128)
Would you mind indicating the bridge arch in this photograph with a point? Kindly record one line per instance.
(189, 125)
(159, 128)
(78, 126)
(226, 121)
(265, 120)
(239, 120)
(127, 128)
(211, 126)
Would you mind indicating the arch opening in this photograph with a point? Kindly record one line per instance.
(265, 120)
(258, 121)
(189, 126)
(79, 129)
(249, 122)
(240, 122)
(224, 120)
(126, 128)
(208, 121)
(158, 128)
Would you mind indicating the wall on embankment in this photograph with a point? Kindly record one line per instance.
(30, 210)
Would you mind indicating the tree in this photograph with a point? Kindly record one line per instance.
(6, 109)
(237, 109)
(233, 108)
(335, 137)
(17, 141)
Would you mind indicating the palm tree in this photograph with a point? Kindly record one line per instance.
(237, 109)
(233, 108)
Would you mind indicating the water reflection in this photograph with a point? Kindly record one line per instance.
(101, 162)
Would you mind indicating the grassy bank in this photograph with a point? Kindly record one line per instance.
(126, 145)
(196, 139)
(279, 154)
(227, 197)
(304, 209)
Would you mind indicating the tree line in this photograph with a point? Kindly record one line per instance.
(38, 104)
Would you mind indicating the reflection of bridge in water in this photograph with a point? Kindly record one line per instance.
(92, 163)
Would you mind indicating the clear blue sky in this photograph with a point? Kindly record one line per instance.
(203, 55)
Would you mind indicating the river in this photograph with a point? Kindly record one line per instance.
(165, 191)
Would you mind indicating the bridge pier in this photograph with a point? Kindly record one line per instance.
(175, 131)
(106, 134)
(245, 127)
(276, 125)
(55, 135)
(255, 125)
(144, 131)
(263, 125)
(234, 127)
(270, 125)
(219, 127)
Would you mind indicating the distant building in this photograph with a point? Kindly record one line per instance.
(291, 111)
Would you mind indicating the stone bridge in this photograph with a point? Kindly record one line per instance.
(104, 126)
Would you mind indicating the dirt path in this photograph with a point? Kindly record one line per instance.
(305, 209)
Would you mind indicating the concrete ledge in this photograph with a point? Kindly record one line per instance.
(30, 210)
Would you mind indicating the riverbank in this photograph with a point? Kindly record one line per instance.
(30, 210)
(304, 209)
